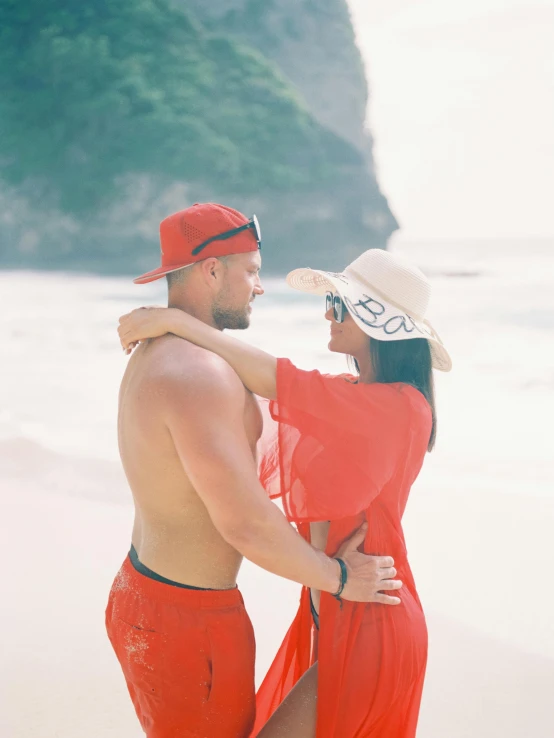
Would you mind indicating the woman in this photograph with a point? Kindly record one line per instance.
(348, 450)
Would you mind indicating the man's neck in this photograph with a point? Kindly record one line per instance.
(196, 309)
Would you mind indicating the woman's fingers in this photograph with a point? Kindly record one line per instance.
(123, 338)
(126, 337)
(388, 573)
(140, 324)
(128, 349)
(124, 331)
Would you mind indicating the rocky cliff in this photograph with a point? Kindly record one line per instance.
(256, 103)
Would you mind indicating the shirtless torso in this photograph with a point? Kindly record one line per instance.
(173, 533)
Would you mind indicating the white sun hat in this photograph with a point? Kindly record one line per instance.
(386, 296)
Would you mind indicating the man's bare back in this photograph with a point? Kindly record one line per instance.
(173, 533)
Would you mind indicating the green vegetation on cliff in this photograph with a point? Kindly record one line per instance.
(93, 91)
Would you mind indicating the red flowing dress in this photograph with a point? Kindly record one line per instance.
(346, 452)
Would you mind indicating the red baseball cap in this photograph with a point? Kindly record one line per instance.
(182, 233)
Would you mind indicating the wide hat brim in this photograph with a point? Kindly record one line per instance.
(376, 316)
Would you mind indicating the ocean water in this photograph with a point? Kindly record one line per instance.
(493, 305)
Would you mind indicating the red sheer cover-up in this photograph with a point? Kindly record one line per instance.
(345, 452)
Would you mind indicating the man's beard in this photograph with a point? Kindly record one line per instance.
(234, 319)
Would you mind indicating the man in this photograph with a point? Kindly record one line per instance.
(188, 431)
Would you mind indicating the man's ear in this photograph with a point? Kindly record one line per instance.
(212, 270)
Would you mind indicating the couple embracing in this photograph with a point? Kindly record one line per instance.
(347, 451)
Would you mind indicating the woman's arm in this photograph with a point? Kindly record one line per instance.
(257, 369)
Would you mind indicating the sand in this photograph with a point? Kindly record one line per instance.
(65, 529)
(479, 524)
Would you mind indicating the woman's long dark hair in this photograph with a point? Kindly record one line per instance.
(407, 361)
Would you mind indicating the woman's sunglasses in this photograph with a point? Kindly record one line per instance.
(252, 223)
(335, 302)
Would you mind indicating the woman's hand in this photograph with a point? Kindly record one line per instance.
(143, 323)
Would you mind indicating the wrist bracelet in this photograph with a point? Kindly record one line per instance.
(343, 579)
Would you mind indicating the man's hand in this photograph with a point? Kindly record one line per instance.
(367, 575)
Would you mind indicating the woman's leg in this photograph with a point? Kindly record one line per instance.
(296, 715)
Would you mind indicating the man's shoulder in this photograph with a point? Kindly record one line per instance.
(183, 367)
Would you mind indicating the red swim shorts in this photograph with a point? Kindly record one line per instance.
(187, 656)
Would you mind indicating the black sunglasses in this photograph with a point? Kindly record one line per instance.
(252, 223)
(335, 302)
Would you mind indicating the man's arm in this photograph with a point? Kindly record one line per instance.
(204, 411)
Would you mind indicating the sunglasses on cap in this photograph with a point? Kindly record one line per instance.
(252, 223)
(335, 302)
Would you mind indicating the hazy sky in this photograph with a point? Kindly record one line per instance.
(462, 110)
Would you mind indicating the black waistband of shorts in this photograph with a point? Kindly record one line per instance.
(145, 571)
(163, 590)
